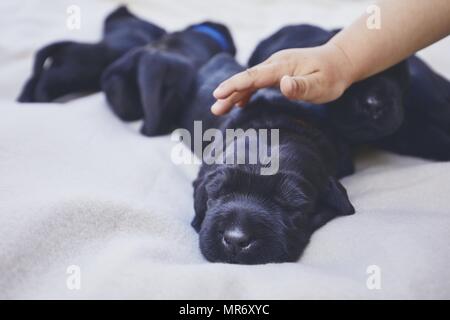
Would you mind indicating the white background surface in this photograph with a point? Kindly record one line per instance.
(78, 187)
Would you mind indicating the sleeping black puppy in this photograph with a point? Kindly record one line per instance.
(244, 216)
(69, 67)
(152, 81)
(405, 109)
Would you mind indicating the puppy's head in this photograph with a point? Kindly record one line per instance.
(254, 219)
(372, 108)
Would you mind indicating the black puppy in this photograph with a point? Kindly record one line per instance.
(405, 109)
(152, 81)
(246, 217)
(68, 67)
(368, 110)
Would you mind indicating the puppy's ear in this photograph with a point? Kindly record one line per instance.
(336, 197)
(207, 188)
(294, 192)
(119, 84)
(218, 183)
(200, 201)
(197, 221)
(333, 202)
(166, 83)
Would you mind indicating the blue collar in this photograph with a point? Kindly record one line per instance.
(214, 34)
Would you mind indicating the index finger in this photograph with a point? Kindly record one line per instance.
(257, 77)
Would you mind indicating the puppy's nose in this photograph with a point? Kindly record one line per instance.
(236, 240)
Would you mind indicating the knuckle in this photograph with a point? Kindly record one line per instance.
(251, 72)
(251, 76)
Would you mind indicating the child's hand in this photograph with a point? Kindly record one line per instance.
(316, 75)
(321, 74)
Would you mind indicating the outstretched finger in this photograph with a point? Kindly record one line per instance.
(260, 76)
(223, 106)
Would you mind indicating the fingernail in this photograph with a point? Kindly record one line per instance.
(215, 108)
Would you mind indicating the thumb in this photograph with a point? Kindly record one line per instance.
(300, 88)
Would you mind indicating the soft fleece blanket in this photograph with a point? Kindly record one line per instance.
(80, 188)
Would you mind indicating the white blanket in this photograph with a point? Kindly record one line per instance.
(80, 188)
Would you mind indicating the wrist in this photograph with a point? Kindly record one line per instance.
(345, 68)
